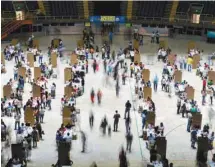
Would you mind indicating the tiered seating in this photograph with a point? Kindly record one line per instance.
(7, 6)
(151, 8)
(32, 5)
(63, 8)
(183, 6)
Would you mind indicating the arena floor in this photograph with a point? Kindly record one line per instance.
(104, 150)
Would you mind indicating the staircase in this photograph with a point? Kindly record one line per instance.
(91, 8)
(80, 8)
(129, 9)
(173, 10)
(86, 9)
(12, 26)
(41, 7)
(123, 8)
(168, 9)
(47, 8)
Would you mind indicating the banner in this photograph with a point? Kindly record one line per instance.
(118, 19)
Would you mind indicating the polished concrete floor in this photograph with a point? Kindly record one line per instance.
(103, 149)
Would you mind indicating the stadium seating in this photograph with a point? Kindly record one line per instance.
(151, 8)
(32, 5)
(7, 6)
(63, 8)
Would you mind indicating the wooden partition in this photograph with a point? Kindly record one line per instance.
(22, 72)
(68, 91)
(73, 59)
(17, 150)
(67, 74)
(67, 115)
(147, 92)
(36, 91)
(191, 45)
(54, 60)
(197, 119)
(2, 59)
(171, 59)
(211, 76)
(29, 115)
(178, 76)
(146, 75)
(190, 92)
(163, 44)
(14, 41)
(36, 43)
(7, 90)
(137, 58)
(37, 72)
(80, 43)
(56, 43)
(150, 118)
(30, 59)
(161, 146)
(196, 60)
(136, 44)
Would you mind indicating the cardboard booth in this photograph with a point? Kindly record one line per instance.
(29, 115)
(67, 74)
(136, 44)
(171, 59)
(14, 42)
(191, 45)
(36, 43)
(190, 92)
(7, 90)
(56, 43)
(68, 91)
(197, 119)
(2, 59)
(137, 58)
(211, 76)
(163, 44)
(178, 76)
(67, 115)
(17, 150)
(150, 118)
(54, 60)
(147, 92)
(80, 43)
(146, 75)
(30, 59)
(196, 60)
(36, 90)
(37, 72)
(22, 72)
(73, 59)
(161, 146)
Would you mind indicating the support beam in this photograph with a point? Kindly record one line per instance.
(173, 10)
(129, 9)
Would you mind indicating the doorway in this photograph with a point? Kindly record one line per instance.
(20, 15)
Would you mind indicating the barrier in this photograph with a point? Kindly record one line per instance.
(22, 72)
(73, 59)
(36, 91)
(7, 90)
(37, 72)
(29, 116)
(190, 92)
(146, 75)
(178, 76)
(54, 60)
(67, 74)
(147, 91)
(30, 59)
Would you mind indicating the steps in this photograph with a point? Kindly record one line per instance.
(91, 8)
(41, 7)
(80, 8)
(129, 9)
(47, 8)
(168, 9)
(173, 10)
(86, 9)
(12, 26)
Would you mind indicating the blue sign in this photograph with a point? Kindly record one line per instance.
(118, 19)
(211, 34)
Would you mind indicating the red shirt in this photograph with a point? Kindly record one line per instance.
(204, 82)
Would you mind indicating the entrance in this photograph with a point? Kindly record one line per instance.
(20, 15)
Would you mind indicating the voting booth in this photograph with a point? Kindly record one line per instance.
(136, 44)
(30, 59)
(190, 92)
(68, 91)
(137, 58)
(147, 92)
(14, 42)
(211, 76)
(36, 43)
(67, 74)
(202, 150)
(67, 115)
(7, 90)
(73, 59)
(56, 43)
(146, 75)
(64, 154)
(37, 72)
(163, 44)
(197, 119)
(54, 60)
(196, 60)
(161, 146)
(178, 76)
(150, 118)
(191, 45)
(2, 59)
(29, 115)
(171, 59)
(22, 72)
(17, 151)
(36, 90)
(80, 43)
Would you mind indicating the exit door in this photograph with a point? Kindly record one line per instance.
(20, 15)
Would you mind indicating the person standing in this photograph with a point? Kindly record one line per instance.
(116, 121)
(91, 119)
(193, 138)
(35, 137)
(189, 123)
(92, 96)
(123, 159)
(178, 105)
(99, 96)
(17, 118)
(129, 139)
(153, 37)
(155, 83)
(117, 89)
(123, 78)
(40, 57)
(82, 83)
(105, 65)
(83, 139)
(94, 66)
(204, 83)
(127, 124)
(127, 109)
(157, 37)
(203, 97)
(42, 112)
(211, 94)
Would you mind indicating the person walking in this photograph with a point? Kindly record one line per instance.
(92, 96)
(99, 96)
(123, 159)
(127, 109)
(178, 105)
(155, 83)
(193, 138)
(127, 124)
(116, 121)
(129, 139)
(42, 112)
(91, 119)
(83, 139)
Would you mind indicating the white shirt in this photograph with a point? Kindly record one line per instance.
(132, 53)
